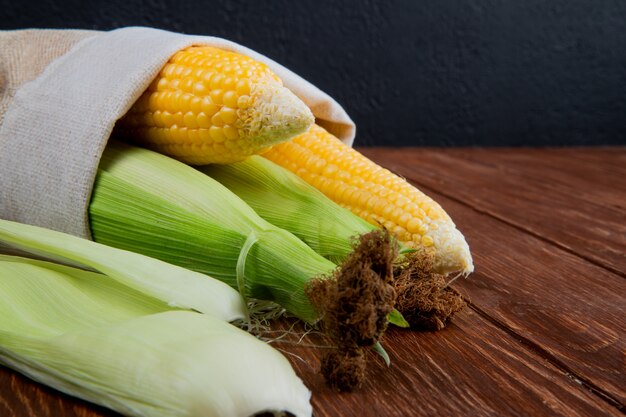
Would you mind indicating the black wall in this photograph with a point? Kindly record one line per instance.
(441, 72)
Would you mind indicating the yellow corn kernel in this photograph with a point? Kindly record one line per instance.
(375, 194)
(202, 88)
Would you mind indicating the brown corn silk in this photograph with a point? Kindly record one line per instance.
(424, 297)
(354, 308)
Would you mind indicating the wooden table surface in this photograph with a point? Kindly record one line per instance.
(545, 330)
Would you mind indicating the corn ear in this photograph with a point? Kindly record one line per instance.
(151, 204)
(174, 285)
(375, 194)
(208, 105)
(91, 337)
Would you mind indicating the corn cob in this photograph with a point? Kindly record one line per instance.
(213, 106)
(376, 195)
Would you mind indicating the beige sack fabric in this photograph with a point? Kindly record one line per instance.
(60, 95)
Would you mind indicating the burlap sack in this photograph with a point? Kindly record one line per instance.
(61, 92)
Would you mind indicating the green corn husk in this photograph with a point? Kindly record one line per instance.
(176, 286)
(285, 200)
(320, 222)
(92, 337)
(151, 204)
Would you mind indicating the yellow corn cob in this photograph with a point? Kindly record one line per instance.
(375, 194)
(213, 106)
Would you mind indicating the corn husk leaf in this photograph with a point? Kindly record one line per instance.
(176, 286)
(155, 205)
(94, 338)
(285, 200)
(397, 319)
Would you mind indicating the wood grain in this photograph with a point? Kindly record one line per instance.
(589, 175)
(568, 307)
(591, 228)
(21, 397)
(470, 368)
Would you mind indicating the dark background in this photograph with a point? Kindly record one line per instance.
(441, 72)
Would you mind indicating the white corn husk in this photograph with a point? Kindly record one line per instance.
(93, 338)
(176, 286)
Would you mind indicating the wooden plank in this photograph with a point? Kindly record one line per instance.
(613, 157)
(471, 368)
(609, 157)
(590, 180)
(21, 397)
(565, 305)
(570, 308)
(595, 230)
